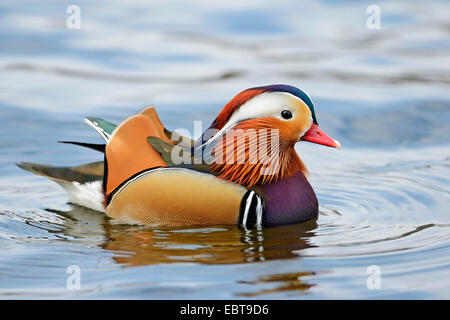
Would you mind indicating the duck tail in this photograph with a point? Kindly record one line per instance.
(82, 183)
(85, 173)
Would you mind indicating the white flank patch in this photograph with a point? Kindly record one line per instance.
(259, 212)
(89, 195)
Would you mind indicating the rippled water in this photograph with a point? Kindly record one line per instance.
(384, 199)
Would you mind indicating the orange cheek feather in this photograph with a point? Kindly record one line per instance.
(282, 161)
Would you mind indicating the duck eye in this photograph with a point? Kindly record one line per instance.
(286, 114)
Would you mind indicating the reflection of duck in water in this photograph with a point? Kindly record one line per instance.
(218, 245)
(134, 246)
(243, 170)
(292, 281)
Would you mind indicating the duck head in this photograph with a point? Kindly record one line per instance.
(273, 118)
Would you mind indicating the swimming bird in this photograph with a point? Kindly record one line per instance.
(243, 170)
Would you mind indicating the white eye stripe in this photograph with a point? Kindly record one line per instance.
(267, 104)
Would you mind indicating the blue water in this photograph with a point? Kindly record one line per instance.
(384, 94)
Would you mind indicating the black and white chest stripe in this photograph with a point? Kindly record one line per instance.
(251, 213)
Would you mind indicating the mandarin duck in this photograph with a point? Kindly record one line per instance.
(156, 177)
